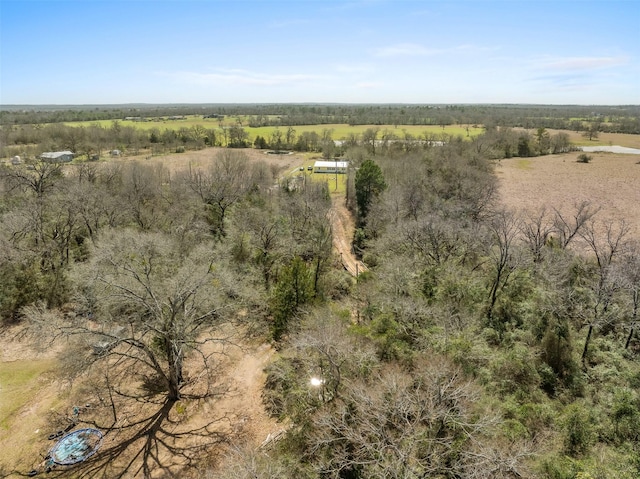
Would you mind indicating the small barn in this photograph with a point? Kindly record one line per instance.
(57, 156)
(330, 166)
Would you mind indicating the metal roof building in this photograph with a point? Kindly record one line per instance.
(57, 156)
(330, 166)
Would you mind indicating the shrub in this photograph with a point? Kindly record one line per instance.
(579, 430)
(584, 158)
(515, 372)
(624, 415)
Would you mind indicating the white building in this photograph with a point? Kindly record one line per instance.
(57, 156)
(330, 166)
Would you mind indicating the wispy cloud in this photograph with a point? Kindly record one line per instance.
(574, 73)
(416, 50)
(580, 63)
(568, 81)
(242, 77)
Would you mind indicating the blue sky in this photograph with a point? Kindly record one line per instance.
(352, 51)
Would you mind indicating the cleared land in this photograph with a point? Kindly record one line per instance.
(35, 402)
(339, 131)
(610, 181)
(621, 139)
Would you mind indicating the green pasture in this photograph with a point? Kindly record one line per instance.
(188, 122)
(337, 183)
(19, 384)
(341, 131)
(338, 131)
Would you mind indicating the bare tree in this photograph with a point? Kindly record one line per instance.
(606, 247)
(536, 230)
(435, 240)
(227, 180)
(37, 176)
(264, 231)
(144, 308)
(630, 275)
(397, 425)
(504, 229)
(163, 301)
(567, 226)
(329, 352)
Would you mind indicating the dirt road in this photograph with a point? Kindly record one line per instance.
(343, 226)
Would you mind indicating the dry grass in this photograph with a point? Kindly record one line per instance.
(620, 139)
(181, 161)
(610, 181)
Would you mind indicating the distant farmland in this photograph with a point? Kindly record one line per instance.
(610, 182)
(338, 131)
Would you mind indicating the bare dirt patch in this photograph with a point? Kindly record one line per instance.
(45, 401)
(343, 226)
(609, 181)
(181, 161)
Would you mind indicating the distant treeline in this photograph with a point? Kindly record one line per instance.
(617, 119)
(94, 140)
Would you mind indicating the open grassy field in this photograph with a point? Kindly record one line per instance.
(610, 181)
(19, 381)
(28, 392)
(338, 131)
(621, 139)
(341, 131)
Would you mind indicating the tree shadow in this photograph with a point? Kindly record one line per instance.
(157, 445)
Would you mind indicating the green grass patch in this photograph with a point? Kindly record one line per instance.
(523, 164)
(338, 131)
(336, 185)
(19, 385)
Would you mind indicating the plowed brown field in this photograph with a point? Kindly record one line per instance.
(609, 181)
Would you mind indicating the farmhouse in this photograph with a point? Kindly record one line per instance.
(57, 156)
(330, 166)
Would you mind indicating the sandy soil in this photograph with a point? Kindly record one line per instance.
(246, 377)
(610, 181)
(343, 226)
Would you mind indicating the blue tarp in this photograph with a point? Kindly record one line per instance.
(76, 446)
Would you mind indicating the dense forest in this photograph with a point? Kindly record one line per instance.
(480, 343)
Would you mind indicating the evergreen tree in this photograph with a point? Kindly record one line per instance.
(369, 184)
